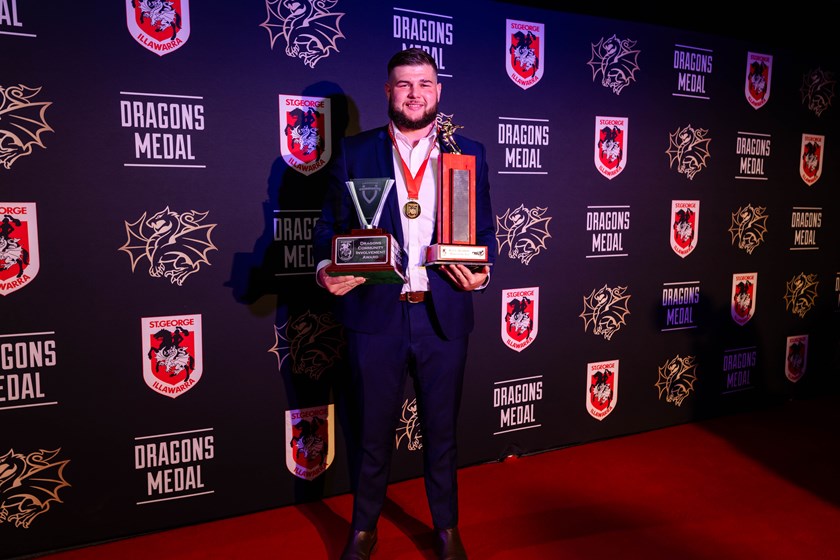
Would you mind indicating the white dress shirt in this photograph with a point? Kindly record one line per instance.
(417, 232)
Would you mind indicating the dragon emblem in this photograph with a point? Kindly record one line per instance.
(684, 227)
(169, 356)
(409, 428)
(759, 74)
(525, 59)
(308, 27)
(797, 357)
(811, 152)
(29, 484)
(12, 253)
(600, 390)
(314, 343)
(160, 14)
(606, 310)
(22, 122)
(742, 300)
(689, 148)
(518, 318)
(817, 90)
(749, 224)
(523, 232)
(616, 61)
(677, 378)
(309, 447)
(176, 245)
(801, 293)
(610, 146)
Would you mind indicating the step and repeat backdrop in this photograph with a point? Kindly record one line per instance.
(664, 204)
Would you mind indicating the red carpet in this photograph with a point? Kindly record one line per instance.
(759, 485)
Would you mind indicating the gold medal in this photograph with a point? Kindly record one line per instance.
(411, 209)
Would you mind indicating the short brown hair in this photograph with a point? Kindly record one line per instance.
(411, 57)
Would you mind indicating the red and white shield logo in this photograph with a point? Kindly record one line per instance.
(524, 58)
(757, 83)
(685, 223)
(744, 290)
(611, 145)
(520, 317)
(601, 388)
(305, 132)
(811, 158)
(19, 257)
(796, 357)
(310, 446)
(161, 26)
(172, 353)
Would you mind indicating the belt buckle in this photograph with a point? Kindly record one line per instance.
(414, 297)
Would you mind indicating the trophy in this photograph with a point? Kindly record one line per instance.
(368, 252)
(456, 204)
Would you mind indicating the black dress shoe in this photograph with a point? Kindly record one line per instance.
(449, 545)
(360, 545)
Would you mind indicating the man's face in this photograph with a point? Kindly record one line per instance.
(413, 93)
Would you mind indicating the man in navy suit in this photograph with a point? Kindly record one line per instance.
(419, 328)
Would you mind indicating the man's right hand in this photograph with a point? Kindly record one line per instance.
(338, 285)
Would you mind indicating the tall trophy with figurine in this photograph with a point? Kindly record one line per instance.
(456, 235)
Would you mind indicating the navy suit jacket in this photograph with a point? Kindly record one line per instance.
(376, 308)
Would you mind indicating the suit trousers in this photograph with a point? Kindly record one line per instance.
(380, 366)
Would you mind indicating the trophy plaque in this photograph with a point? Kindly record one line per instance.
(368, 252)
(456, 204)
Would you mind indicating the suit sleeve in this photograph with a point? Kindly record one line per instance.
(336, 211)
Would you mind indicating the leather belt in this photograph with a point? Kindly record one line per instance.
(413, 297)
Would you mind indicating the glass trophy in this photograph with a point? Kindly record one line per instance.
(368, 252)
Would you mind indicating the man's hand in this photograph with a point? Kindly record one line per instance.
(465, 279)
(338, 285)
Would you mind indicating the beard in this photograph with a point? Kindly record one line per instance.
(403, 122)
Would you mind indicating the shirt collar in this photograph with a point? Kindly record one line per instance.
(431, 136)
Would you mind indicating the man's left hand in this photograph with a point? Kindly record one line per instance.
(464, 278)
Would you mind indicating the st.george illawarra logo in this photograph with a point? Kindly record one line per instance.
(677, 377)
(811, 160)
(19, 256)
(817, 90)
(309, 30)
(522, 232)
(313, 343)
(685, 226)
(615, 61)
(601, 388)
(744, 292)
(757, 81)
(29, 485)
(796, 357)
(408, 430)
(525, 58)
(689, 149)
(161, 26)
(305, 132)
(22, 122)
(606, 310)
(749, 224)
(174, 245)
(520, 317)
(310, 433)
(611, 145)
(172, 353)
(801, 293)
